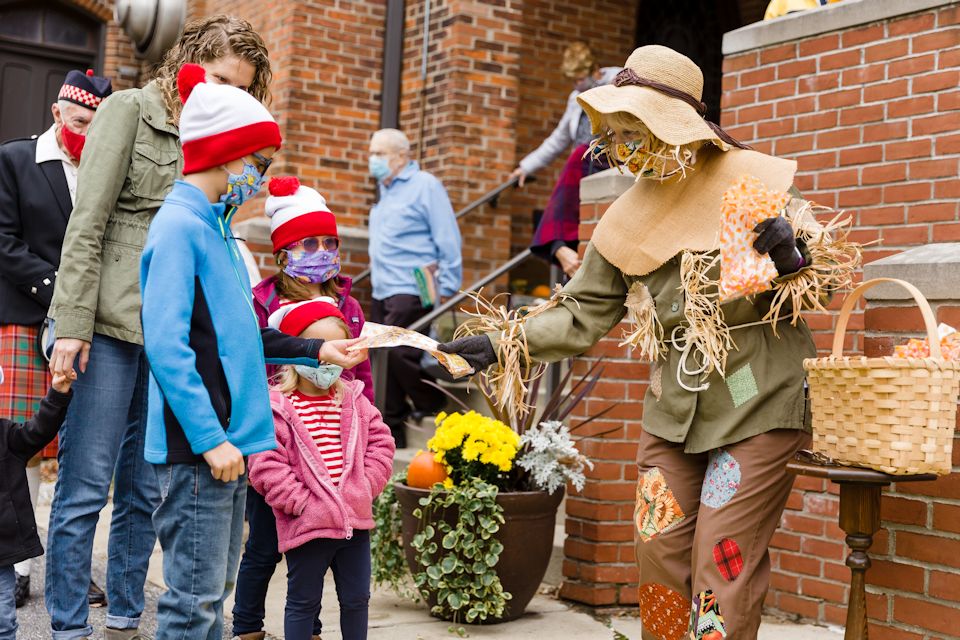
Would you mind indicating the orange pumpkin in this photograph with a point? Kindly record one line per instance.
(424, 471)
(541, 291)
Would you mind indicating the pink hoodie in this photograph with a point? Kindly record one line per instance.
(294, 480)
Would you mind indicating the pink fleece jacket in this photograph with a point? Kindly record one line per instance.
(294, 480)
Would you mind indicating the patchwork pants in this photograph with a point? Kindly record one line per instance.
(704, 522)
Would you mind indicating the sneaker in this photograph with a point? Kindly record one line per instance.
(21, 592)
(256, 635)
(123, 634)
(96, 598)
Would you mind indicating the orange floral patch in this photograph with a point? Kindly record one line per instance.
(743, 271)
(663, 612)
(657, 510)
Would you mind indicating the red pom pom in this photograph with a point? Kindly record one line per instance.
(190, 75)
(90, 72)
(284, 186)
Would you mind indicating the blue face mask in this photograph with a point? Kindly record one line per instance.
(322, 376)
(242, 187)
(379, 167)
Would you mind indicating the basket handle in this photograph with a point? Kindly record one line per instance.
(856, 294)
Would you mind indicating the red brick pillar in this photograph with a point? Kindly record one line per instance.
(599, 567)
(468, 111)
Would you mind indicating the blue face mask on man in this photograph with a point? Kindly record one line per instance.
(379, 167)
(242, 187)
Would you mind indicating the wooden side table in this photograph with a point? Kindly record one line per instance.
(859, 518)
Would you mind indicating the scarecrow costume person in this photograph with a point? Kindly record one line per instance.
(726, 405)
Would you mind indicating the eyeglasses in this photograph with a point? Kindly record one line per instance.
(263, 163)
(313, 244)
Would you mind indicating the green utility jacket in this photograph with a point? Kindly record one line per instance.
(130, 161)
(764, 387)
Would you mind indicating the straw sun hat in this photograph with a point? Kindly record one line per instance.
(664, 89)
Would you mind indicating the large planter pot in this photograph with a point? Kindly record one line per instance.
(526, 535)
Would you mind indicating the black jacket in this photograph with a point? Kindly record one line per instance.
(34, 209)
(18, 443)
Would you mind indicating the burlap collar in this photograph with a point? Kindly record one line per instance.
(652, 222)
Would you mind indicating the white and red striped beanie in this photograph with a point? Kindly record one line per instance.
(294, 318)
(220, 123)
(297, 212)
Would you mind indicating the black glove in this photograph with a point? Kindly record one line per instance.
(476, 350)
(777, 240)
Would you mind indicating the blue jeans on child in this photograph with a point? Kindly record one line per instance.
(8, 607)
(306, 567)
(101, 441)
(257, 566)
(200, 526)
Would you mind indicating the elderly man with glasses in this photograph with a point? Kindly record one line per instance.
(413, 232)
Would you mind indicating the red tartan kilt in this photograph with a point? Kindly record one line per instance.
(26, 378)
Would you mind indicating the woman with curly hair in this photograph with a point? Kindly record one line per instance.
(132, 159)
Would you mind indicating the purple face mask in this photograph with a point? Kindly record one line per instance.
(318, 266)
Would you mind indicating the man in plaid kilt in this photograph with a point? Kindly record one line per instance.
(38, 180)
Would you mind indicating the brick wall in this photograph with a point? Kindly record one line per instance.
(870, 114)
(600, 567)
(467, 111)
(119, 62)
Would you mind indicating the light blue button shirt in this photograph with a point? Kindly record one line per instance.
(412, 226)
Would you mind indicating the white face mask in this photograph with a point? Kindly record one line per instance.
(322, 377)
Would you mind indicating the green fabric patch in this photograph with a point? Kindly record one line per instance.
(742, 385)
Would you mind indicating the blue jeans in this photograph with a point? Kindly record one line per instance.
(200, 526)
(8, 607)
(259, 562)
(306, 566)
(101, 441)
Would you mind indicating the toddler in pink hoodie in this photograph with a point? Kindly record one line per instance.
(334, 455)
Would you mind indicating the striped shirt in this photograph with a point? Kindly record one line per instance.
(321, 417)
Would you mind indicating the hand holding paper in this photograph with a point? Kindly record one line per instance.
(375, 336)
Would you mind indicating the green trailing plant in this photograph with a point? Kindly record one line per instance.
(459, 560)
(389, 566)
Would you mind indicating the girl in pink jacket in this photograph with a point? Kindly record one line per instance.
(334, 455)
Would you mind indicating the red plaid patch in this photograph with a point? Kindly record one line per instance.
(76, 94)
(726, 554)
(25, 375)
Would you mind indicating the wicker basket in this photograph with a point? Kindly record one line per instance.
(895, 415)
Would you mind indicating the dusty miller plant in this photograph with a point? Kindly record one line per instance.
(551, 457)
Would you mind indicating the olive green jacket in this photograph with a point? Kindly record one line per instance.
(130, 161)
(764, 387)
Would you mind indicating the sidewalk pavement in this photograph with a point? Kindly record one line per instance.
(390, 617)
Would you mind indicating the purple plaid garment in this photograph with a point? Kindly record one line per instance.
(561, 219)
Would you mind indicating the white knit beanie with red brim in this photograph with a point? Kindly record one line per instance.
(296, 212)
(220, 123)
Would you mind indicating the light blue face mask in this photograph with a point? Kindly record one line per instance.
(322, 376)
(379, 167)
(242, 187)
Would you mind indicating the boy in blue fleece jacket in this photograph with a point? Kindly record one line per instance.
(209, 406)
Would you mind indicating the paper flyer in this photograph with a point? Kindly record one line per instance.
(376, 336)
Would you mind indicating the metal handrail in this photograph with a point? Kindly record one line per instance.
(490, 196)
(426, 320)
(378, 357)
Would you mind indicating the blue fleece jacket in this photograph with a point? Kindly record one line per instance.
(208, 379)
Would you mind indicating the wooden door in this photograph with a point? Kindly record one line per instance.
(39, 43)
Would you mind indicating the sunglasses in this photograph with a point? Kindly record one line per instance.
(312, 245)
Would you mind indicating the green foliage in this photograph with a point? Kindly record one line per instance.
(386, 548)
(460, 560)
